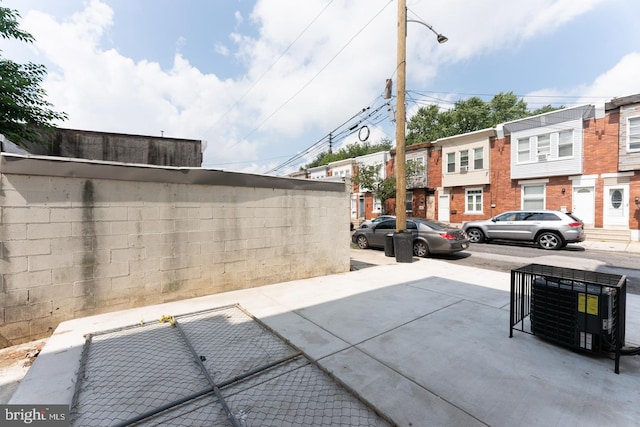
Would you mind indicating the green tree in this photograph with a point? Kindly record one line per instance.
(350, 151)
(369, 177)
(24, 109)
(469, 115)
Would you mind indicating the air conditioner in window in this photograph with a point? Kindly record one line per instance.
(463, 169)
(543, 157)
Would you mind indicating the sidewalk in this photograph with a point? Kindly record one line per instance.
(424, 343)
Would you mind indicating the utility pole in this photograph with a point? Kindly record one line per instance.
(330, 142)
(400, 166)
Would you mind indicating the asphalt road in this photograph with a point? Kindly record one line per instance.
(503, 256)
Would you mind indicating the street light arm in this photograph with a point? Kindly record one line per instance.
(441, 38)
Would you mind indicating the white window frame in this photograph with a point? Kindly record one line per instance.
(522, 152)
(546, 148)
(476, 158)
(465, 162)
(475, 192)
(571, 143)
(528, 198)
(451, 156)
(633, 138)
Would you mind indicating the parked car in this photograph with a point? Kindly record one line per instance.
(547, 228)
(370, 222)
(428, 236)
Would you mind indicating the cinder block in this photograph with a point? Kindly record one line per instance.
(12, 198)
(27, 280)
(49, 262)
(51, 293)
(17, 313)
(68, 244)
(65, 275)
(13, 265)
(127, 255)
(90, 228)
(25, 215)
(110, 213)
(48, 231)
(66, 214)
(118, 284)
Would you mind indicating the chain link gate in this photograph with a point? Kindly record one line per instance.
(216, 367)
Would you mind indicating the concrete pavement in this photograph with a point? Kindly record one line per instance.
(425, 343)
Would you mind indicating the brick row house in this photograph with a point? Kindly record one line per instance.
(582, 159)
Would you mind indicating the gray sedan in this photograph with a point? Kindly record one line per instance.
(428, 236)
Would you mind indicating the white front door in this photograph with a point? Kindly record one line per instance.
(584, 204)
(616, 206)
(443, 207)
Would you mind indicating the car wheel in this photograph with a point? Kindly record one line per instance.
(362, 242)
(475, 235)
(420, 249)
(549, 241)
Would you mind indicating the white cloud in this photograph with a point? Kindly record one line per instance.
(291, 94)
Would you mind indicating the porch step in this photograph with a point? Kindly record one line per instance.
(607, 234)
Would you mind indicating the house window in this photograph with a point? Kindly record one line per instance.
(409, 202)
(474, 200)
(416, 166)
(377, 205)
(544, 145)
(533, 196)
(451, 162)
(523, 150)
(464, 159)
(633, 134)
(478, 158)
(565, 143)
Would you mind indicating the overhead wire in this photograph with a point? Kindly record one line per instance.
(318, 73)
(254, 84)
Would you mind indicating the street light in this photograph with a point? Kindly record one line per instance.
(401, 181)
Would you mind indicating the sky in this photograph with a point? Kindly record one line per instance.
(267, 85)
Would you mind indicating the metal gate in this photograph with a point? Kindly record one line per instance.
(217, 367)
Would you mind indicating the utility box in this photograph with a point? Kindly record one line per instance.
(581, 310)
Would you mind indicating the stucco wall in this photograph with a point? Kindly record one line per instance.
(75, 242)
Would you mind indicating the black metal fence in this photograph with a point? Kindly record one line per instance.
(582, 310)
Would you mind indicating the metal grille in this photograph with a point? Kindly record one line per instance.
(583, 310)
(216, 367)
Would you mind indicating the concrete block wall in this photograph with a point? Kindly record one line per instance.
(73, 246)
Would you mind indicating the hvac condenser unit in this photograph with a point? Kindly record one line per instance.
(582, 310)
(574, 314)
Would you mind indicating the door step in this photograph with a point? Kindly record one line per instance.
(607, 234)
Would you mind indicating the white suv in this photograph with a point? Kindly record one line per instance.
(549, 229)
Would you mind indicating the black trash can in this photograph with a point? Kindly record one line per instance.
(403, 246)
(388, 245)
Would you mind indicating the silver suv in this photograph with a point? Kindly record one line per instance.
(549, 229)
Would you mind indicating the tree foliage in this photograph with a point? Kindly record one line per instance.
(369, 177)
(350, 151)
(468, 115)
(23, 105)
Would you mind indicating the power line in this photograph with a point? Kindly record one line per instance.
(317, 74)
(270, 67)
